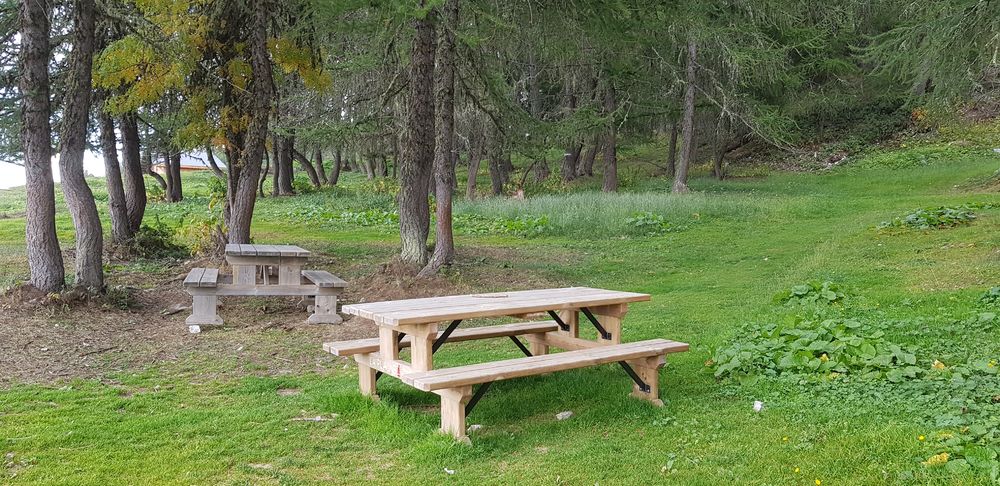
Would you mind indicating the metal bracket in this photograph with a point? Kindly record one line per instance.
(555, 317)
(593, 320)
(476, 396)
(638, 381)
(444, 335)
(520, 345)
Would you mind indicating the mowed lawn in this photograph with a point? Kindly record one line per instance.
(732, 246)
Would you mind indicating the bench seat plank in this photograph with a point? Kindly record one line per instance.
(323, 278)
(193, 278)
(364, 346)
(209, 278)
(534, 365)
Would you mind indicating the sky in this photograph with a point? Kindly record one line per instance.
(13, 175)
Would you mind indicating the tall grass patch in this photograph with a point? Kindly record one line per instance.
(600, 215)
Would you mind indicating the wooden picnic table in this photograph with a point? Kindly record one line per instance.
(249, 260)
(414, 323)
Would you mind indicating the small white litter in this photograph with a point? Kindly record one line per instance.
(758, 406)
(564, 415)
(449, 471)
(475, 428)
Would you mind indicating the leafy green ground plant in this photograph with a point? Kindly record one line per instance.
(933, 218)
(812, 292)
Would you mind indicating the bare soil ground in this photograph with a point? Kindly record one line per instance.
(56, 338)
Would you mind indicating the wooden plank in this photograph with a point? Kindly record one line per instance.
(193, 278)
(436, 309)
(267, 250)
(261, 290)
(323, 278)
(499, 307)
(534, 365)
(360, 346)
(209, 278)
(292, 251)
(232, 249)
(248, 250)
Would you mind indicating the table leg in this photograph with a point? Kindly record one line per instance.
(245, 274)
(422, 339)
(649, 370)
(453, 401)
(289, 274)
(366, 380)
(325, 310)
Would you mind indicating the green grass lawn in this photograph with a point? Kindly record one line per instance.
(712, 261)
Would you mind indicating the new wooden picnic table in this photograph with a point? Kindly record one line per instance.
(247, 260)
(414, 323)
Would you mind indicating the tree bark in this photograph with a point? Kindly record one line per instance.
(672, 150)
(318, 162)
(470, 186)
(444, 143)
(721, 146)
(570, 161)
(418, 149)
(135, 184)
(263, 174)
(284, 166)
(73, 145)
(586, 167)
(243, 198)
(687, 123)
(44, 257)
(338, 163)
(210, 157)
(307, 166)
(121, 229)
(177, 187)
(610, 141)
(275, 151)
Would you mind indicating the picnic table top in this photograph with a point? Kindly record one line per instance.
(437, 309)
(233, 249)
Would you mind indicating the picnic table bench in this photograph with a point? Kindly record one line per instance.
(413, 324)
(253, 269)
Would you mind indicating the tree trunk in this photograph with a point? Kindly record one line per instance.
(338, 163)
(672, 150)
(135, 184)
(275, 151)
(318, 161)
(587, 164)
(470, 187)
(210, 157)
(121, 229)
(444, 142)
(418, 149)
(610, 141)
(721, 146)
(147, 164)
(177, 189)
(285, 172)
(243, 198)
(570, 160)
(263, 174)
(44, 257)
(307, 166)
(496, 177)
(687, 123)
(73, 145)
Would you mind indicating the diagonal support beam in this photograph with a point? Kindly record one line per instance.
(638, 381)
(520, 345)
(444, 335)
(562, 324)
(593, 320)
(476, 396)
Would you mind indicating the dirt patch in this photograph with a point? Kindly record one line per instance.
(50, 339)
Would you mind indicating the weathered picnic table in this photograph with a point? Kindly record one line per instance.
(252, 271)
(414, 323)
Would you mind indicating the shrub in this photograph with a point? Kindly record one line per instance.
(523, 226)
(121, 297)
(991, 297)
(648, 224)
(933, 218)
(156, 240)
(811, 292)
(841, 346)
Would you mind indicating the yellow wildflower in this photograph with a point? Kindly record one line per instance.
(921, 438)
(785, 439)
(818, 482)
(797, 469)
(937, 459)
(992, 363)
(824, 358)
(938, 365)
